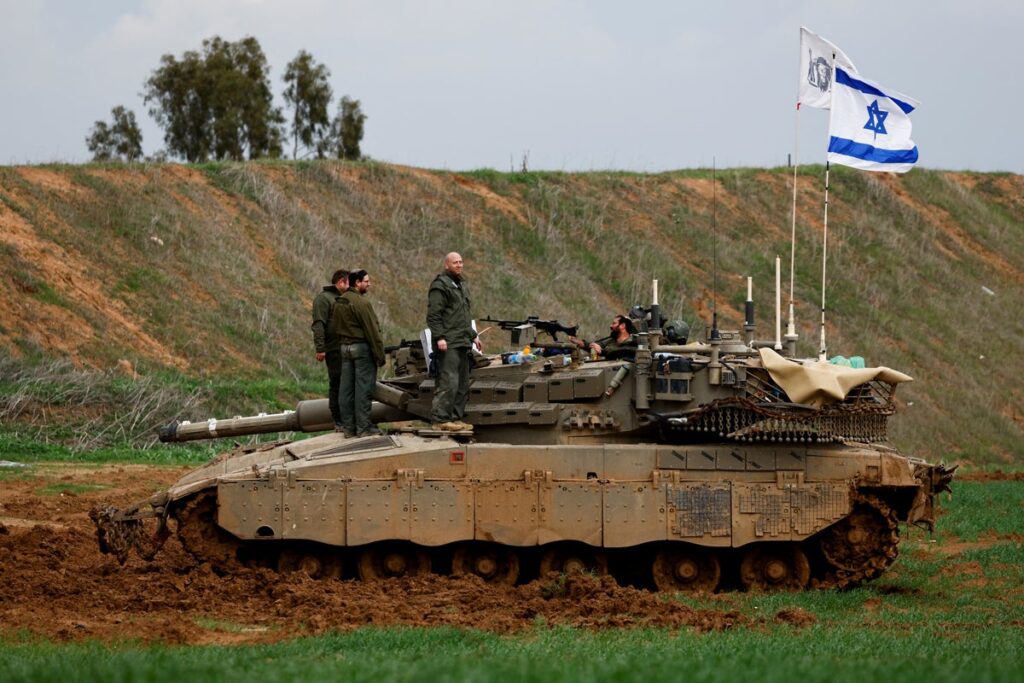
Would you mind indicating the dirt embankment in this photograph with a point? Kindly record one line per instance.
(56, 584)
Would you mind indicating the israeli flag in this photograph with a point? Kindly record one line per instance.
(869, 127)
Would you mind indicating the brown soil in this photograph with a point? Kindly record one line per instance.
(55, 583)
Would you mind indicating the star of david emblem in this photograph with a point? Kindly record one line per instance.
(876, 119)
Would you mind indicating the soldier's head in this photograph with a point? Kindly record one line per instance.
(621, 325)
(340, 279)
(359, 280)
(453, 264)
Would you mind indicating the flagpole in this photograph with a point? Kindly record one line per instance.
(822, 353)
(791, 328)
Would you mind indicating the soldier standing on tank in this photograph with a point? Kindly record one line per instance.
(325, 343)
(362, 352)
(453, 338)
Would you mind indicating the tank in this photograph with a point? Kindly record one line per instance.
(686, 466)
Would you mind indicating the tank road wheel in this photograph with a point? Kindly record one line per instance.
(775, 566)
(689, 568)
(313, 562)
(200, 535)
(491, 562)
(862, 545)
(571, 558)
(392, 560)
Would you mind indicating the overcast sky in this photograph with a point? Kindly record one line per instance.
(575, 85)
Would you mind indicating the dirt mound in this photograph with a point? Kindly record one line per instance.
(49, 556)
(794, 616)
(174, 600)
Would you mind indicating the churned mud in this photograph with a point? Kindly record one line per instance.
(55, 583)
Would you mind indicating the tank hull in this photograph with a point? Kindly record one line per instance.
(693, 517)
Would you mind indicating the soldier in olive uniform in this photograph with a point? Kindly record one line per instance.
(619, 345)
(453, 338)
(324, 341)
(362, 352)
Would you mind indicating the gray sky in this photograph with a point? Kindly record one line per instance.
(465, 84)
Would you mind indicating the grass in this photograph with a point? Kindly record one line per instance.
(773, 653)
(23, 449)
(62, 488)
(52, 409)
(997, 507)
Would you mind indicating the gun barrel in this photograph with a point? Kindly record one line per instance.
(308, 416)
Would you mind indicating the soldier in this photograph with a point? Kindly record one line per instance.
(325, 343)
(362, 352)
(620, 344)
(453, 338)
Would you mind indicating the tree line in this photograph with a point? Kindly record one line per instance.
(217, 103)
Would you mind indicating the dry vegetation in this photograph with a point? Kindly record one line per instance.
(206, 272)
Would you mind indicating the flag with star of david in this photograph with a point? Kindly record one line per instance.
(817, 56)
(870, 127)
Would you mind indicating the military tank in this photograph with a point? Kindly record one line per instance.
(684, 466)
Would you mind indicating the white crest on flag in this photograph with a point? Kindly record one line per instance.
(870, 126)
(816, 69)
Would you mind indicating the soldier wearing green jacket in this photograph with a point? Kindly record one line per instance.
(452, 338)
(362, 352)
(324, 342)
(619, 345)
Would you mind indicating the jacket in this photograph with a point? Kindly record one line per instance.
(322, 304)
(354, 320)
(448, 314)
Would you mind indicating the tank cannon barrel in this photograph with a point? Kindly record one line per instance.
(308, 416)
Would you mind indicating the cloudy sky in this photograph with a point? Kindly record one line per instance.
(569, 84)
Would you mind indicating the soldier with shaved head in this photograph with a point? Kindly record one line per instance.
(453, 338)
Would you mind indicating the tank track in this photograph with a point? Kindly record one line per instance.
(855, 550)
(861, 546)
(200, 536)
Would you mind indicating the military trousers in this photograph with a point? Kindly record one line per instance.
(333, 359)
(358, 377)
(452, 390)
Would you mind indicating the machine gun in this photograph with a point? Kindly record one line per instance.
(404, 344)
(525, 331)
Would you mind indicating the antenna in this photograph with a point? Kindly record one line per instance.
(714, 250)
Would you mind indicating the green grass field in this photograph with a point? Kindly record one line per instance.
(951, 609)
(846, 652)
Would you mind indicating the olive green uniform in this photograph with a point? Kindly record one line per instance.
(324, 341)
(615, 350)
(362, 352)
(449, 318)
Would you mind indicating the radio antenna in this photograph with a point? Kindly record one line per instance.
(714, 251)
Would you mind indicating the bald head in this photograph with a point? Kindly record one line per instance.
(453, 264)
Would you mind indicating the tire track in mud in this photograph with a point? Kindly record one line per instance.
(55, 583)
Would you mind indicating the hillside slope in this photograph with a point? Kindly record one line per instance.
(207, 271)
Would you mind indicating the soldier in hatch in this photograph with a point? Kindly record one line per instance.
(619, 345)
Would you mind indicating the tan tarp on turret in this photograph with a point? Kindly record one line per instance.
(820, 383)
